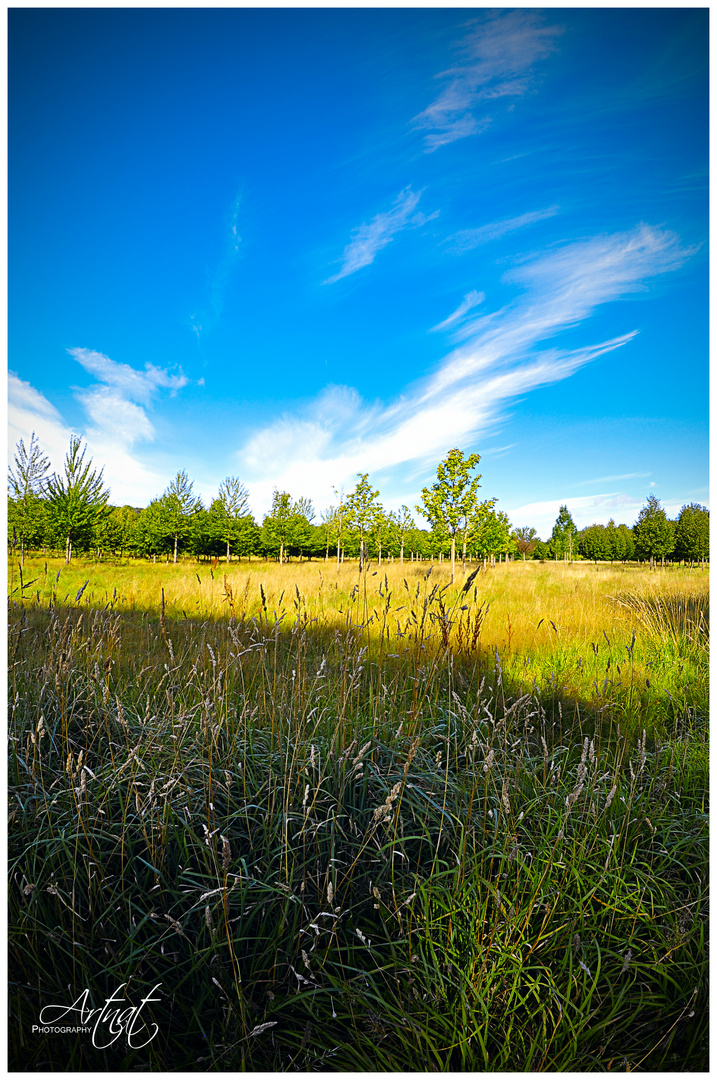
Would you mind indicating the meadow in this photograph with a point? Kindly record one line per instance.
(357, 821)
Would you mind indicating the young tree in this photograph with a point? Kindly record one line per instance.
(228, 509)
(525, 539)
(563, 535)
(401, 523)
(693, 533)
(302, 529)
(594, 542)
(180, 504)
(490, 535)
(152, 535)
(451, 501)
(26, 488)
(77, 501)
(654, 533)
(276, 527)
(362, 510)
(114, 532)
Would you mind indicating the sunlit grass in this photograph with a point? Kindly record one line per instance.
(362, 825)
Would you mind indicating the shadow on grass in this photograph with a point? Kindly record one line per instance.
(333, 853)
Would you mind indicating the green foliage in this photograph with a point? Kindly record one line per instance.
(692, 536)
(490, 532)
(115, 531)
(287, 527)
(654, 533)
(77, 501)
(26, 486)
(400, 523)
(228, 511)
(562, 540)
(178, 510)
(363, 511)
(450, 503)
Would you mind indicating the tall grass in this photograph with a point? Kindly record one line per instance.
(344, 836)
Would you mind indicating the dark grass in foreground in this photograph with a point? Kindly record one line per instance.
(334, 859)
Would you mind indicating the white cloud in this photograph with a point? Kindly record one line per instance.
(585, 510)
(498, 56)
(116, 420)
(467, 239)
(498, 359)
(29, 411)
(132, 384)
(470, 300)
(368, 239)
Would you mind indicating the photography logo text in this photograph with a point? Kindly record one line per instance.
(106, 1023)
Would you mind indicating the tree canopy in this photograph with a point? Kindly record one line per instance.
(77, 501)
(449, 503)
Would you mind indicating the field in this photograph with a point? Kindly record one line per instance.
(360, 821)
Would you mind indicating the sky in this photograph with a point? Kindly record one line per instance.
(296, 245)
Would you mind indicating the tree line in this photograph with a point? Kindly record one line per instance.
(71, 511)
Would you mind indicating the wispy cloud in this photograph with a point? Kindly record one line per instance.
(135, 385)
(369, 238)
(208, 315)
(497, 58)
(612, 479)
(470, 300)
(467, 239)
(501, 356)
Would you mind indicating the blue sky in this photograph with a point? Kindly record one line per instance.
(295, 245)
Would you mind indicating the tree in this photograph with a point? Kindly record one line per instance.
(490, 533)
(525, 539)
(27, 486)
(276, 527)
(654, 533)
(693, 533)
(228, 509)
(594, 542)
(563, 535)
(76, 502)
(449, 502)
(114, 532)
(152, 535)
(401, 523)
(302, 529)
(180, 505)
(362, 510)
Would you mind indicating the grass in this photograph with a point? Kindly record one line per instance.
(354, 824)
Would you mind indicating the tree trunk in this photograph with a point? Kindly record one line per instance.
(68, 551)
(401, 552)
(176, 539)
(281, 553)
(228, 555)
(453, 559)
